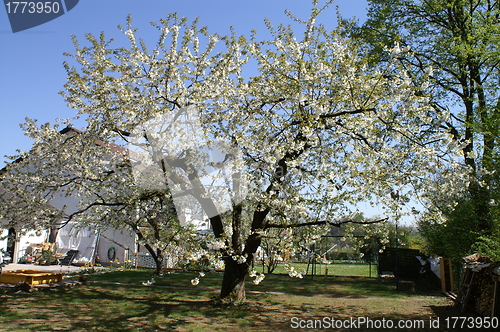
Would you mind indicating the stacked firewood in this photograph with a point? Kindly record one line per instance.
(483, 285)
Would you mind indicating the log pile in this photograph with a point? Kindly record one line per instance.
(483, 285)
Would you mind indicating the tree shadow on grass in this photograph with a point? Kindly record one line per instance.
(103, 308)
(151, 309)
(139, 308)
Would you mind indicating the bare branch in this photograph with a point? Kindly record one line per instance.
(325, 222)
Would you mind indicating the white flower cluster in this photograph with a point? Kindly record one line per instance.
(292, 272)
(195, 255)
(239, 258)
(196, 281)
(258, 277)
(218, 264)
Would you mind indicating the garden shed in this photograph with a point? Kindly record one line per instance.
(407, 262)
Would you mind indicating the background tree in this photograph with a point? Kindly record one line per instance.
(456, 45)
(315, 130)
(368, 239)
(55, 184)
(275, 249)
(283, 246)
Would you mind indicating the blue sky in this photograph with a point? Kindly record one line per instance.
(31, 71)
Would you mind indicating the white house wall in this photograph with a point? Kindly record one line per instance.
(93, 247)
(23, 241)
(29, 238)
(71, 237)
(123, 243)
(3, 238)
(87, 241)
(68, 204)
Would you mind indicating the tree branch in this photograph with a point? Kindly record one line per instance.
(337, 114)
(324, 222)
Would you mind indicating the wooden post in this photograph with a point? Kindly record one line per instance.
(446, 272)
(465, 289)
(494, 306)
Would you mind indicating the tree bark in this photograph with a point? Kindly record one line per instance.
(157, 255)
(233, 282)
(159, 261)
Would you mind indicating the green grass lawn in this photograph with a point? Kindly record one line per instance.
(118, 301)
(333, 269)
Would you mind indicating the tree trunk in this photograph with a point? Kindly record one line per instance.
(157, 255)
(159, 261)
(233, 282)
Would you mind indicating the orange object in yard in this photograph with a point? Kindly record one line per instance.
(31, 277)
